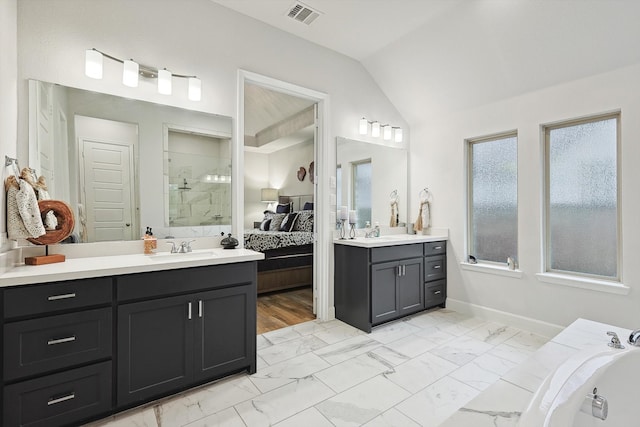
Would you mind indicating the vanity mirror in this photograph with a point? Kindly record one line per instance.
(370, 178)
(122, 164)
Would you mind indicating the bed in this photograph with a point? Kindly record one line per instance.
(286, 239)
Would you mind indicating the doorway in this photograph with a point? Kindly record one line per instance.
(250, 201)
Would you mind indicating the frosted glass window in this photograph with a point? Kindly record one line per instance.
(362, 192)
(493, 185)
(582, 198)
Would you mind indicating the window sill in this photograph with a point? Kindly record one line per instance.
(584, 283)
(491, 269)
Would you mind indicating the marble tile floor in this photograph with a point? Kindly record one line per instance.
(418, 371)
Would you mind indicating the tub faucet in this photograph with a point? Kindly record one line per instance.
(615, 341)
(634, 338)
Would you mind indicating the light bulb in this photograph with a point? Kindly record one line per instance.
(364, 126)
(130, 73)
(195, 89)
(375, 129)
(386, 132)
(93, 64)
(164, 82)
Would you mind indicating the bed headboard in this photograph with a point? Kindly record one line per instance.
(297, 201)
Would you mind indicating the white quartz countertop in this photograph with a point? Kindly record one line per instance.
(391, 240)
(99, 266)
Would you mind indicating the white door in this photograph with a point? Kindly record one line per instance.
(107, 179)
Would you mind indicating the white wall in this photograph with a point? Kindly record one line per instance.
(8, 89)
(210, 41)
(438, 161)
(256, 177)
(284, 165)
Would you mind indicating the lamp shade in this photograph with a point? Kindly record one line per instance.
(364, 125)
(386, 132)
(164, 82)
(195, 89)
(269, 195)
(398, 135)
(375, 129)
(93, 64)
(130, 73)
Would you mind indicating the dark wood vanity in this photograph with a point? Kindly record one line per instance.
(374, 285)
(80, 350)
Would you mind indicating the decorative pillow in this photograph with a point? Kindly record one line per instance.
(276, 220)
(283, 208)
(264, 225)
(308, 206)
(289, 221)
(305, 221)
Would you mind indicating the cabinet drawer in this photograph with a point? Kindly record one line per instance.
(59, 399)
(435, 248)
(46, 298)
(435, 268)
(173, 282)
(435, 293)
(41, 345)
(391, 253)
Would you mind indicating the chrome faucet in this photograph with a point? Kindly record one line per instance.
(185, 247)
(634, 338)
(615, 341)
(369, 234)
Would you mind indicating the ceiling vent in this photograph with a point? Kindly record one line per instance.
(303, 13)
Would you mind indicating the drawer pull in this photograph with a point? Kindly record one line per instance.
(53, 401)
(437, 292)
(61, 340)
(435, 267)
(63, 296)
(436, 248)
(200, 308)
(189, 315)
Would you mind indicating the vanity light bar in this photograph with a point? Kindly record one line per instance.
(387, 130)
(131, 71)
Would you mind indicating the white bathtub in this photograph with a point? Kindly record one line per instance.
(614, 372)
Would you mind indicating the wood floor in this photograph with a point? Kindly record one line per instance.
(280, 309)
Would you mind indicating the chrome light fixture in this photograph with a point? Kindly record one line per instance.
(388, 131)
(131, 71)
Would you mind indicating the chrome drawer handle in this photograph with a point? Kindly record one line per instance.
(200, 308)
(437, 292)
(63, 296)
(436, 266)
(189, 315)
(435, 248)
(61, 340)
(69, 396)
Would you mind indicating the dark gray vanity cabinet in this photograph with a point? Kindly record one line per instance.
(57, 352)
(79, 350)
(167, 342)
(380, 284)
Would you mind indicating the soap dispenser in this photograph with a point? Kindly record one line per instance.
(150, 242)
(377, 229)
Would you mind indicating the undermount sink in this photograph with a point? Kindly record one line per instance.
(196, 254)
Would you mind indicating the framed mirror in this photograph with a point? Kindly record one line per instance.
(369, 178)
(109, 158)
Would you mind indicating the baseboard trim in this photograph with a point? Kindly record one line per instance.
(539, 327)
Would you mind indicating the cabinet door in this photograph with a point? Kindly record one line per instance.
(411, 286)
(225, 332)
(384, 293)
(155, 347)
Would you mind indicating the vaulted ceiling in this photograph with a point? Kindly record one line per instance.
(435, 56)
